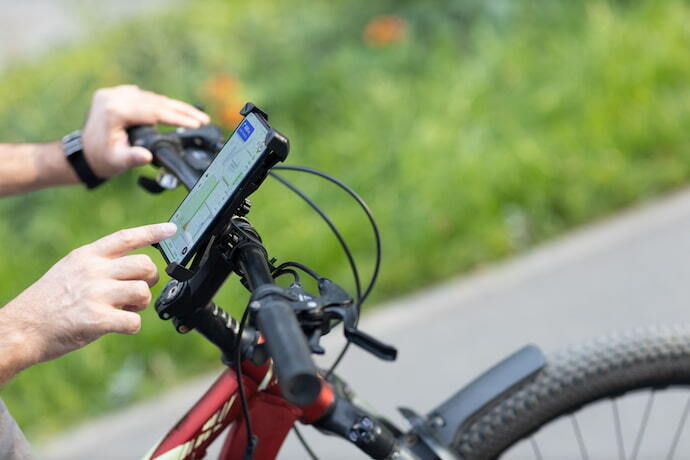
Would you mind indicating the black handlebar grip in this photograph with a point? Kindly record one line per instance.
(166, 152)
(286, 344)
(168, 157)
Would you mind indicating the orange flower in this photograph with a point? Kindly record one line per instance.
(221, 86)
(385, 30)
(230, 114)
(225, 99)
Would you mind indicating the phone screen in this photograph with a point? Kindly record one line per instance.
(215, 188)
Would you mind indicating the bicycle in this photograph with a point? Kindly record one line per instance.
(277, 384)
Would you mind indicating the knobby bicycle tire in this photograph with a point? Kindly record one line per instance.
(652, 357)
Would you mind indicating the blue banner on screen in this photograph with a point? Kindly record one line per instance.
(245, 130)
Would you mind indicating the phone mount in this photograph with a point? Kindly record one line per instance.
(204, 251)
(277, 149)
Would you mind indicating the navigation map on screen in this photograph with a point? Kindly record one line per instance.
(215, 187)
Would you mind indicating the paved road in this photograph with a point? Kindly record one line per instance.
(627, 271)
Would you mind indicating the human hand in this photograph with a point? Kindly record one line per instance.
(94, 290)
(104, 138)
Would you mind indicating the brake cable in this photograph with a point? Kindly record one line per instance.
(331, 225)
(362, 204)
(252, 440)
(377, 238)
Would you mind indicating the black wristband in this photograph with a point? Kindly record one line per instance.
(74, 152)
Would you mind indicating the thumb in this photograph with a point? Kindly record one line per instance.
(123, 322)
(136, 156)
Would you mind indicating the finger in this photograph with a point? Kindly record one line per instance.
(136, 156)
(124, 156)
(173, 117)
(188, 110)
(122, 322)
(135, 294)
(152, 113)
(145, 107)
(135, 267)
(126, 87)
(120, 243)
(171, 111)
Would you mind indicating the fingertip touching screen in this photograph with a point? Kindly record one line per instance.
(215, 189)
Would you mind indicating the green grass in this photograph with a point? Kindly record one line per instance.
(491, 127)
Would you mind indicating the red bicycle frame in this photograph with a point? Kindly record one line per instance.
(271, 415)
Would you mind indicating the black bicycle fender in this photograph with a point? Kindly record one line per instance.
(445, 420)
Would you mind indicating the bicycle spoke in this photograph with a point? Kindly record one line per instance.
(619, 430)
(578, 435)
(535, 448)
(679, 430)
(643, 425)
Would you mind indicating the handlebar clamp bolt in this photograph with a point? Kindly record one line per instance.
(362, 431)
(437, 422)
(255, 305)
(244, 208)
(173, 290)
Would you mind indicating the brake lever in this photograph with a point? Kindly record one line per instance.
(372, 345)
(361, 338)
(336, 303)
(150, 185)
(317, 313)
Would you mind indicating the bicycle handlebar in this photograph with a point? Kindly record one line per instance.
(286, 345)
(166, 153)
(285, 341)
(167, 156)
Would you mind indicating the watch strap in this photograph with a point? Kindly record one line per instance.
(74, 152)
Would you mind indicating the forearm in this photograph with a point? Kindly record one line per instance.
(27, 167)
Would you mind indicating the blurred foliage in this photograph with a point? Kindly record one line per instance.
(474, 129)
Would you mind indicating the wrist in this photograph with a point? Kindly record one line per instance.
(18, 346)
(52, 165)
(76, 157)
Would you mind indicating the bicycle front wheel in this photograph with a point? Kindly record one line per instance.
(577, 378)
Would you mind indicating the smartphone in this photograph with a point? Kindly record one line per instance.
(236, 171)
